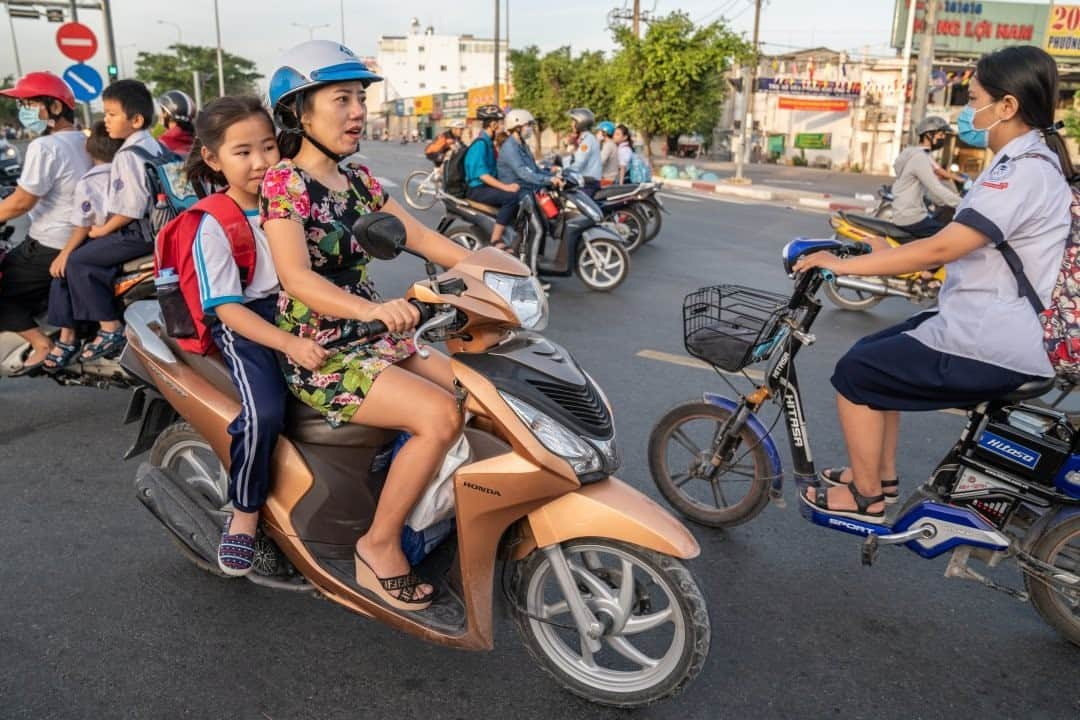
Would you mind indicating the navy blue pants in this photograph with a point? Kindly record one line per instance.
(24, 285)
(86, 293)
(890, 370)
(507, 202)
(254, 432)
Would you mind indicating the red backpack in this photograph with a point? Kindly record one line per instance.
(174, 250)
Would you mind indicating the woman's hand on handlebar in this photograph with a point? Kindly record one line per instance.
(397, 315)
(822, 260)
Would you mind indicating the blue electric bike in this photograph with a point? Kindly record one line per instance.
(1008, 489)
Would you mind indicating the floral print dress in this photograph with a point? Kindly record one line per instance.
(339, 386)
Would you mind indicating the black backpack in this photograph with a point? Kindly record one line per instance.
(454, 181)
(170, 191)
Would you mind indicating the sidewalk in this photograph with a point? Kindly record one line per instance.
(831, 190)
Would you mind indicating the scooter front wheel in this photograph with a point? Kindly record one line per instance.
(682, 446)
(602, 263)
(653, 629)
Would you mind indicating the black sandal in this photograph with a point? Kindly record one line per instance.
(57, 360)
(106, 344)
(862, 502)
(405, 585)
(890, 488)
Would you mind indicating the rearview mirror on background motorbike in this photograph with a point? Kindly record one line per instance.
(381, 235)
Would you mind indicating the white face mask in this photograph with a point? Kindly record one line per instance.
(526, 132)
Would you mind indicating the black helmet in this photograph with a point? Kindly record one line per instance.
(178, 105)
(489, 112)
(583, 118)
(933, 124)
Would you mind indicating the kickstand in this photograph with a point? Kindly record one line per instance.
(869, 549)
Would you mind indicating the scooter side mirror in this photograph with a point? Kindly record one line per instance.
(380, 234)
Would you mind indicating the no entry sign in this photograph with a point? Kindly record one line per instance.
(76, 41)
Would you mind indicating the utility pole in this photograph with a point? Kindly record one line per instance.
(637, 18)
(220, 62)
(110, 38)
(497, 4)
(749, 80)
(342, 22)
(905, 71)
(14, 44)
(926, 65)
(86, 105)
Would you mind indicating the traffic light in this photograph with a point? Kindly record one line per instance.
(114, 72)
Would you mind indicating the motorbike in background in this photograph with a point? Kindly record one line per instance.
(556, 233)
(634, 209)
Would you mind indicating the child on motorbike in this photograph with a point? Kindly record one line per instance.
(309, 204)
(91, 192)
(984, 340)
(91, 269)
(235, 144)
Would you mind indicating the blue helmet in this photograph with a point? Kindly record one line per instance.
(313, 64)
(607, 127)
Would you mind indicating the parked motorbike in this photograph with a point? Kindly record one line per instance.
(10, 166)
(135, 282)
(567, 237)
(634, 209)
(1008, 489)
(591, 569)
(863, 293)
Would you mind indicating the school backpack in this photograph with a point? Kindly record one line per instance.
(175, 250)
(170, 191)
(638, 171)
(1060, 321)
(454, 180)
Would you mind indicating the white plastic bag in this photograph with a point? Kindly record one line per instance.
(437, 502)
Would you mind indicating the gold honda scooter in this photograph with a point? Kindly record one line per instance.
(590, 567)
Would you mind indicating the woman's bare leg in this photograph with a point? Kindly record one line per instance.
(864, 434)
(431, 417)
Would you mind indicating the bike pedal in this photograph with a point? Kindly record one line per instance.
(869, 550)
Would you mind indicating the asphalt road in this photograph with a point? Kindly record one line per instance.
(101, 617)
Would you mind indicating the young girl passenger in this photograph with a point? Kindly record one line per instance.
(234, 146)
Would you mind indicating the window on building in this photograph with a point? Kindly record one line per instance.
(423, 85)
(442, 68)
(421, 68)
(464, 69)
(420, 48)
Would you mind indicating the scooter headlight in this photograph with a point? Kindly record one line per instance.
(10, 152)
(524, 295)
(556, 437)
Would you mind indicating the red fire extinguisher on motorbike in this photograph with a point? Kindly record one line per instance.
(547, 205)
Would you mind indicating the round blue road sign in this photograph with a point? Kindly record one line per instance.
(84, 80)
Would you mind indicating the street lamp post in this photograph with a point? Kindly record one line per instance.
(311, 29)
(342, 22)
(123, 58)
(220, 62)
(179, 30)
(14, 44)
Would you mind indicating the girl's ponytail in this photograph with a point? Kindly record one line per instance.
(1055, 142)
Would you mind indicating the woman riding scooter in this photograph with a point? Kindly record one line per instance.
(53, 165)
(308, 206)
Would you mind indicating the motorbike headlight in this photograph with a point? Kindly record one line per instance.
(10, 151)
(555, 436)
(524, 295)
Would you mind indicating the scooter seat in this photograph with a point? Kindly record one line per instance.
(307, 425)
(1029, 390)
(614, 191)
(146, 262)
(488, 209)
(877, 226)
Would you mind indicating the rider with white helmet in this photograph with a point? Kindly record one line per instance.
(516, 163)
(308, 205)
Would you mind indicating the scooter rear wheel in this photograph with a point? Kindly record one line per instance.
(421, 190)
(466, 239)
(654, 220)
(1060, 547)
(680, 460)
(656, 624)
(629, 225)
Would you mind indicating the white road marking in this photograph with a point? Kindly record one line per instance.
(676, 196)
(387, 183)
(754, 375)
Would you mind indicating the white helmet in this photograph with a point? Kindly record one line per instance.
(518, 118)
(459, 124)
(314, 63)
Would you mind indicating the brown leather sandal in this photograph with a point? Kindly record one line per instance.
(405, 585)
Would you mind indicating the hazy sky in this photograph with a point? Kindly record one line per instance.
(260, 30)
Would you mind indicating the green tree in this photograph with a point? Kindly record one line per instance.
(1072, 118)
(9, 109)
(549, 86)
(673, 80)
(174, 71)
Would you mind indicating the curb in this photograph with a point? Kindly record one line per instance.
(767, 193)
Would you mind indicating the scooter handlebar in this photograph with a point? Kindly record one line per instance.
(374, 328)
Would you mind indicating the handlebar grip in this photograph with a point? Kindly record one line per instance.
(370, 329)
(426, 311)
